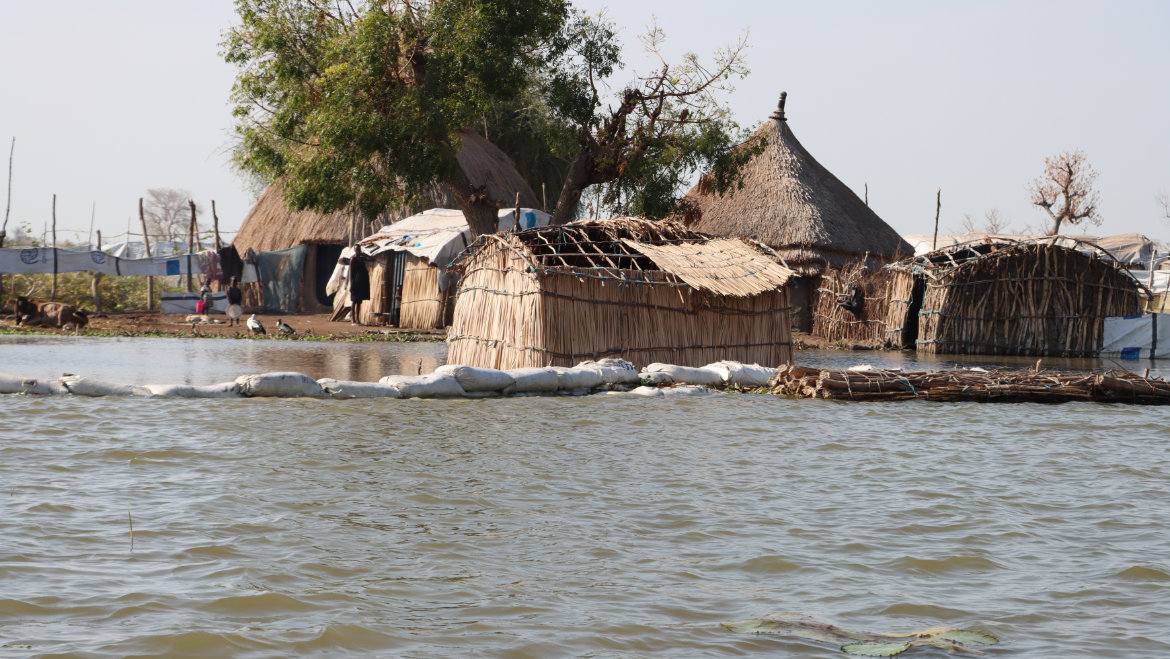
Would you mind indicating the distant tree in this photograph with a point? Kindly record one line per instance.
(663, 128)
(1065, 191)
(168, 215)
(361, 104)
(993, 222)
(1163, 200)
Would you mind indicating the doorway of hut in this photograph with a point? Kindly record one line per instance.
(327, 256)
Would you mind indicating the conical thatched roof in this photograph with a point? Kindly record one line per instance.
(270, 225)
(797, 207)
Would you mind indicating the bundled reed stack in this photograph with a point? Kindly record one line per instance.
(1009, 298)
(852, 305)
(640, 290)
(977, 385)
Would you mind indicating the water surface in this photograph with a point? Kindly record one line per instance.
(602, 526)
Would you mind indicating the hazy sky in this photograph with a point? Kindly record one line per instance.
(106, 100)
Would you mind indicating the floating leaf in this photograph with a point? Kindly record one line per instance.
(965, 636)
(755, 626)
(876, 649)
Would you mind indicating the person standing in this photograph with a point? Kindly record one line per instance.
(234, 297)
(205, 298)
(359, 283)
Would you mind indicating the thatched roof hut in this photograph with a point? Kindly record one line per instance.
(1009, 298)
(271, 225)
(640, 290)
(792, 204)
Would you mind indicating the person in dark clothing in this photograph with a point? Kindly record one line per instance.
(359, 283)
(234, 298)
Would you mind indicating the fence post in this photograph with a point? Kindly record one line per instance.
(97, 277)
(146, 242)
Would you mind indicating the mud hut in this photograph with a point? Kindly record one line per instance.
(409, 285)
(792, 204)
(1009, 298)
(640, 290)
(271, 226)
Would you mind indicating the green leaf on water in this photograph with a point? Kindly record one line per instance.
(965, 636)
(876, 649)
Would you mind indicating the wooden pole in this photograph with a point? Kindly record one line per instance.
(215, 226)
(190, 243)
(937, 210)
(516, 223)
(97, 277)
(92, 215)
(7, 208)
(867, 195)
(53, 293)
(146, 242)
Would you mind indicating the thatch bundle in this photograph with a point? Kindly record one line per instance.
(851, 305)
(424, 306)
(640, 290)
(1009, 299)
(1003, 386)
(791, 203)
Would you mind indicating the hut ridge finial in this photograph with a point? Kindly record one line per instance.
(779, 113)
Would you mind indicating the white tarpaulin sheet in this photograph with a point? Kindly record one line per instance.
(1127, 248)
(1137, 337)
(439, 234)
(39, 260)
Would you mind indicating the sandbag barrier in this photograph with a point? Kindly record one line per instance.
(451, 381)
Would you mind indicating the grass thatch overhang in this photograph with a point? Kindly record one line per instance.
(641, 290)
(271, 225)
(1010, 297)
(791, 203)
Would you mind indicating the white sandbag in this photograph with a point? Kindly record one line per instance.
(687, 374)
(435, 385)
(614, 370)
(219, 390)
(745, 375)
(530, 380)
(479, 379)
(578, 377)
(349, 389)
(687, 390)
(651, 392)
(279, 385)
(655, 378)
(15, 384)
(82, 386)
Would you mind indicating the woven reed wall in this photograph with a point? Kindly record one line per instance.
(1034, 300)
(507, 318)
(831, 321)
(901, 313)
(376, 310)
(422, 302)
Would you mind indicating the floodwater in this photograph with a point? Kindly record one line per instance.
(601, 526)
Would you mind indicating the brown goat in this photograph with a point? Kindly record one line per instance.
(37, 313)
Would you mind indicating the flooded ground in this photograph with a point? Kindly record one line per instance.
(602, 526)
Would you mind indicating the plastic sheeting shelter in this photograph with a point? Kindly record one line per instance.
(280, 274)
(1137, 337)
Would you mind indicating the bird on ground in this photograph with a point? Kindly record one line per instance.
(284, 328)
(255, 326)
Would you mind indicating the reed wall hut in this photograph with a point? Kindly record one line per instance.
(409, 283)
(1008, 298)
(271, 226)
(630, 288)
(851, 306)
(791, 203)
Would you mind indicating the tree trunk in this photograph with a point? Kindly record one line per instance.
(578, 178)
(482, 213)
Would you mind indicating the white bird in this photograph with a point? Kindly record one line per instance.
(283, 327)
(255, 326)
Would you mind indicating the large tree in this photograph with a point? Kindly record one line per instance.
(360, 106)
(645, 143)
(1065, 191)
(168, 213)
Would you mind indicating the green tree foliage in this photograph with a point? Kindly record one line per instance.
(362, 105)
(661, 131)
